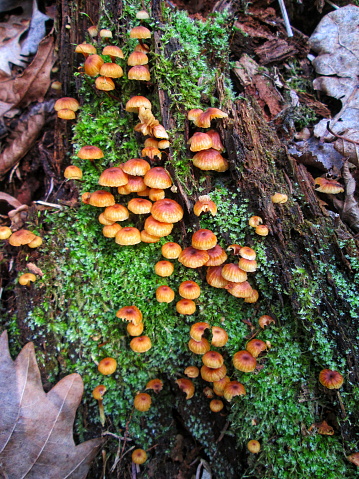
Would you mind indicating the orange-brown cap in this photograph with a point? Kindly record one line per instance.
(187, 386)
(73, 172)
(239, 290)
(279, 198)
(213, 374)
(128, 236)
(204, 239)
(171, 250)
(99, 392)
(151, 152)
(199, 347)
(113, 51)
(204, 119)
(203, 205)
(147, 238)
(219, 336)
(200, 141)
(192, 371)
(167, 211)
(255, 347)
(113, 176)
(139, 456)
(164, 268)
(140, 32)
(165, 294)
(253, 298)
(92, 65)
(67, 103)
(116, 212)
(189, 290)
(244, 361)
(130, 313)
(141, 344)
(216, 140)
(142, 402)
(137, 58)
(86, 49)
(139, 206)
(110, 231)
(136, 102)
(213, 359)
(210, 160)
(139, 72)
(136, 167)
(328, 186)
(331, 379)
(216, 405)
(253, 446)
(66, 114)
(197, 330)
(232, 272)
(262, 230)
(90, 152)
(156, 194)
(111, 70)
(155, 384)
(232, 389)
(26, 279)
(255, 221)
(104, 83)
(217, 256)
(135, 329)
(186, 306)
(157, 228)
(21, 237)
(248, 265)
(5, 232)
(158, 178)
(214, 277)
(193, 258)
(107, 366)
(265, 320)
(101, 199)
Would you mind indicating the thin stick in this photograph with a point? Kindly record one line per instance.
(45, 203)
(285, 18)
(340, 136)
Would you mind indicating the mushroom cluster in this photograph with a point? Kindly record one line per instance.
(20, 237)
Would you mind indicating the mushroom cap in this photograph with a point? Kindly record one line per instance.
(204, 119)
(111, 70)
(139, 206)
(203, 205)
(135, 329)
(158, 178)
(253, 446)
(157, 228)
(85, 198)
(199, 347)
(137, 58)
(232, 389)
(135, 184)
(165, 294)
(151, 142)
(110, 231)
(66, 114)
(104, 83)
(113, 176)
(255, 347)
(105, 33)
(136, 167)
(265, 320)
(128, 236)
(5, 232)
(163, 144)
(167, 211)
(216, 405)
(66, 103)
(262, 230)
(141, 344)
(21, 237)
(171, 250)
(200, 141)
(187, 386)
(156, 194)
(234, 248)
(192, 371)
(194, 113)
(219, 337)
(113, 51)
(116, 212)
(27, 278)
(248, 265)
(101, 199)
(328, 186)
(151, 152)
(197, 330)
(90, 152)
(147, 238)
(210, 160)
(155, 384)
(130, 313)
(232, 272)
(255, 221)
(35, 243)
(136, 102)
(142, 15)
(217, 256)
(354, 458)
(107, 366)
(193, 258)
(186, 306)
(331, 379)
(214, 277)
(244, 361)
(102, 220)
(213, 374)
(92, 65)
(164, 268)
(85, 48)
(159, 131)
(189, 290)
(213, 359)
(253, 298)
(239, 290)
(92, 31)
(204, 239)
(142, 402)
(139, 72)
(218, 386)
(140, 32)
(279, 198)
(99, 392)
(139, 456)
(247, 252)
(216, 140)
(73, 172)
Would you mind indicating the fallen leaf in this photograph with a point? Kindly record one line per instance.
(349, 208)
(10, 199)
(22, 139)
(34, 269)
(36, 436)
(348, 146)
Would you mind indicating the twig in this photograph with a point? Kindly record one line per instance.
(108, 433)
(332, 4)
(340, 136)
(52, 205)
(285, 18)
(226, 426)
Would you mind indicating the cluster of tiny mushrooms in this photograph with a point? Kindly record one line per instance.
(137, 176)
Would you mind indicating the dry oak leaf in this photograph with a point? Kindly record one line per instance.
(36, 438)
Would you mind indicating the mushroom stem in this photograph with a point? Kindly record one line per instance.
(344, 414)
(102, 412)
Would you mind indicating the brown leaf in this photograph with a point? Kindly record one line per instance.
(10, 199)
(34, 269)
(23, 137)
(36, 437)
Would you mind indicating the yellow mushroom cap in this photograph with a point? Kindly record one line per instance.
(139, 456)
(107, 366)
(26, 279)
(187, 386)
(142, 402)
(253, 446)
